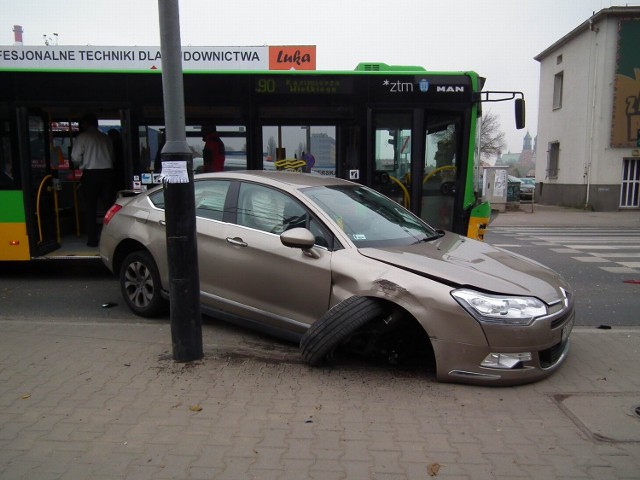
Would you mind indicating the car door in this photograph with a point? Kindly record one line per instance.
(210, 200)
(246, 270)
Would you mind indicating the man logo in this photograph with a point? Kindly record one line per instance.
(424, 85)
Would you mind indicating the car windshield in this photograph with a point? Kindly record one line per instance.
(369, 218)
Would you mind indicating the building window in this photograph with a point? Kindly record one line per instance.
(558, 59)
(557, 90)
(553, 159)
(630, 188)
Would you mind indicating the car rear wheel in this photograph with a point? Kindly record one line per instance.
(336, 326)
(140, 285)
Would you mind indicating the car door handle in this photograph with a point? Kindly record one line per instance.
(237, 241)
(162, 223)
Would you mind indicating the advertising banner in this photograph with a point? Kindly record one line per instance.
(625, 124)
(122, 58)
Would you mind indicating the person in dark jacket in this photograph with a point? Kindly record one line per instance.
(213, 154)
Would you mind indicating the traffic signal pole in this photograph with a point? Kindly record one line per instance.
(177, 177)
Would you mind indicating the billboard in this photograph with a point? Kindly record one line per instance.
(122, 58)
(625, 123)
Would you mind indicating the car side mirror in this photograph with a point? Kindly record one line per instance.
(298, 238)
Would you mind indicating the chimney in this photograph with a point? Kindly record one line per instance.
(17, 35)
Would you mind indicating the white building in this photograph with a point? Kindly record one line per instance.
(589, 114)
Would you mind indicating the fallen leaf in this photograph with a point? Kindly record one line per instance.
(25, 396)
(433, 469)
(195, 408)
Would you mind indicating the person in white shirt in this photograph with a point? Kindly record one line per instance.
(92, 153)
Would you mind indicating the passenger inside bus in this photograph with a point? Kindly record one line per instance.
(213, 154)
(93, 153)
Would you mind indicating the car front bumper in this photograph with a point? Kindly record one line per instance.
(508, 359)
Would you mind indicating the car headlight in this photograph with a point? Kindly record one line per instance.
(502, 309)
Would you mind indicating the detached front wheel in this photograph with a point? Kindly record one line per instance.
(140, 285)
(336, 326)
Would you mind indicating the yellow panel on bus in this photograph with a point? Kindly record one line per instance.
(14, 242)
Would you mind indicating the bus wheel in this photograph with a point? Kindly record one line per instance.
(140, 285)
(336, 326)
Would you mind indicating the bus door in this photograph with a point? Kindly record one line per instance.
(40, 187)
(391, 141)
(51, 183)
(415, 159)
(442, 171)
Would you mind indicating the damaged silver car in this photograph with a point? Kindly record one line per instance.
(337, 266)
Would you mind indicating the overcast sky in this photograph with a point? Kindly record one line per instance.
(496, 38)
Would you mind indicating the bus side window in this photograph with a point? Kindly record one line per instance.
(6, 165)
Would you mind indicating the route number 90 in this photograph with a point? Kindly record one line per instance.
(266, 85)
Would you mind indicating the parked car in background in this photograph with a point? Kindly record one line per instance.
(527, 187)
(339, 267)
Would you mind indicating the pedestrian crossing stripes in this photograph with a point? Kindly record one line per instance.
(615, 250)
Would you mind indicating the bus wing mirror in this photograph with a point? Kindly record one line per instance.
(502, 96)
(520, 113)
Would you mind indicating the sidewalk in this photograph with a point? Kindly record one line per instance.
(551, 215)
(106, 401)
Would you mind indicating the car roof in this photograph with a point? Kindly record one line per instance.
(291, 179)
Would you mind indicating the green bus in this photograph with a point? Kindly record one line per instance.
(409, 133)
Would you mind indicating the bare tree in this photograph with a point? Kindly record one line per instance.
(492, 140)
(271, 148)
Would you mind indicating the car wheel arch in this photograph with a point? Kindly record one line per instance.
(123, 249)
(367, 319)
(434, 317)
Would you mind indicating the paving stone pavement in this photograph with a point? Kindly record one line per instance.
(87, 400)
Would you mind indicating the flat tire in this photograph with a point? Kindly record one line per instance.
(336, 326)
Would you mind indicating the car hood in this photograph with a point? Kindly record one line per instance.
(460, 261)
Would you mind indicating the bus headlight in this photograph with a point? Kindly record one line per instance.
(502, 309)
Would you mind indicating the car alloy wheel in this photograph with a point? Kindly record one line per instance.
(140, 284)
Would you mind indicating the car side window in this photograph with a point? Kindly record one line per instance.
(323, 238)
(157, 198)
(272, 211)
(210, 197)
(262, 208)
